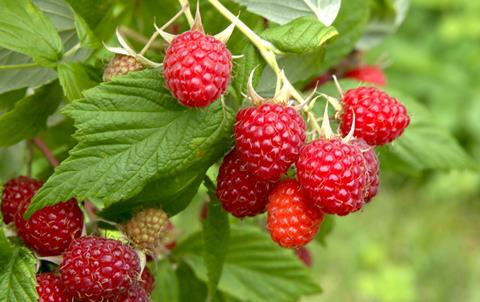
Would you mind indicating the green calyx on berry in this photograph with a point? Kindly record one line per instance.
(126, 50)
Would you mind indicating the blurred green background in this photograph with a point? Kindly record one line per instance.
(420, 239)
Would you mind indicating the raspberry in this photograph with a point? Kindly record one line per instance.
(135, 294)
(368, 74)
(379, 118)
(373, 168)
(50, 230)
(240, 192)
(49, 289)
(147, 228)
(98, 269)
(147, 280)
(121, 65)
(292, 220)
(269, 138)
(304, 255)
(15, 192)
(333, 175)
(197, 68)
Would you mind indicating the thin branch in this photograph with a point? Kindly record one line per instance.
(46, 151)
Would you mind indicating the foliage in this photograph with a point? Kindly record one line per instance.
(134, 146)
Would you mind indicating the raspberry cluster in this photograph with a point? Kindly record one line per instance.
(335, 175)
(92, 269)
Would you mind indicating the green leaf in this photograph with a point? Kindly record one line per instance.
(74, 79)
(325, 229)
(191, 289)
(302, 35)
(350, 24)
(62, 17)
(6, 248)
(17, 275)
(21, 77)
(255, 268)
(131, 131)
(166, 282)
(29, 115)
(27, 30)
(216, 233)
(9, 99)
(86, 36)
(172, 193)
(251, 59)
(283, 11)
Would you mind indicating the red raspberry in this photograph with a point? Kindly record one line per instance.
(304, 255)
(98, 269)
(292, 220)
(379, 118)
(135, 294)
(269, 138)
(50, 230)
(15, 192)
(373, 168)
(367, 74)
(121, 65)
(197, 68)
(49, 289)
(240, 192)
(333, 174)
(147, 280)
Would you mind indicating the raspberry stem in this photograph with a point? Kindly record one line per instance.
(46, 151)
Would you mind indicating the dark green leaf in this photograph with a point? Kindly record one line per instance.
(74, 79)
(23, 26)
(216, 233)
(302, 35)
(172, 193)
(191, 288)
(131, 131)
(166, 282)
(255, 268)
(29, 115)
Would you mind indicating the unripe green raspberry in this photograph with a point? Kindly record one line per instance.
(147, 228)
